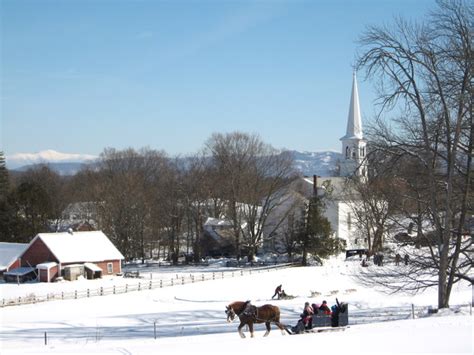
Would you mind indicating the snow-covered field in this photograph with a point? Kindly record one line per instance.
(190, 318)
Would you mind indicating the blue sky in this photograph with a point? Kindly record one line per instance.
(79, 76)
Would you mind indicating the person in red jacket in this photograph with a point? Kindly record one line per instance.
(324, 308)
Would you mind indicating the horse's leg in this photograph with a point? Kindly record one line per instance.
(267, 324)
(251, 329)
(282, 327)
(242, 335)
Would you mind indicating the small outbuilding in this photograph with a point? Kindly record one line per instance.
(20, 274)
(47, 272)
(10, 256)
(73, 248)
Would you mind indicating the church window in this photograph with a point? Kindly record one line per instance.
(347, 152)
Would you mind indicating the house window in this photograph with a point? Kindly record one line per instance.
(110, 268)
(349, 222)
(356, 241)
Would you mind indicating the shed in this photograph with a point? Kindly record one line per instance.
(71, 248)
(92, 271)
(20, 274)
(9, 255)
(73, 272)
(47, 272)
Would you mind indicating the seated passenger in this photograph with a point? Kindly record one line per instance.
(307, 316)
(324, 308)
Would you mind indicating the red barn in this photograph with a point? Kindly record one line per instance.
(92, 249)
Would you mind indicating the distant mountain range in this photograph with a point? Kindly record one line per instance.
(308, 163)
(19, 160)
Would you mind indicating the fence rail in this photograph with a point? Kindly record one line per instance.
(141, 285)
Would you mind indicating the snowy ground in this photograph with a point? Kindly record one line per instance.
(190, 318)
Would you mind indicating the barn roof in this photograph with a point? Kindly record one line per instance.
(80, 246)
(9, 252)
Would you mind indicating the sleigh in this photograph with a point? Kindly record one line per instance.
(321, 322)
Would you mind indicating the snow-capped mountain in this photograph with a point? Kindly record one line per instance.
(308, 163)
(317, 163)
(19, 160)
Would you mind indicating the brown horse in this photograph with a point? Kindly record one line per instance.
(249, 314)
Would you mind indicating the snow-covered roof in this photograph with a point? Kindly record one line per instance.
(9, 252)
(92, 267)
(46, 266)
(80, 246)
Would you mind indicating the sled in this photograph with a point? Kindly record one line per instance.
(317, 330)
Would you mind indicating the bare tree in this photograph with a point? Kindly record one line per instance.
(254, 177)
(425, 71)
(126, 182)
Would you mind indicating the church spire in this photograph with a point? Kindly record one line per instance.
(353, 143)
(354, 121)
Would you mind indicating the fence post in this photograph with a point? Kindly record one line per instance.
(151, 284)
(213, 275)
(101, 291)
(87, 292)
(19, 300)
(172, 282)
(222, 274)
(126, 288)
(114, 290)
(45, 338)
(75, 294)
(62, 295)
(161, 283)
(413, 311)
(154, 326)
(182, 280)
(202, 277)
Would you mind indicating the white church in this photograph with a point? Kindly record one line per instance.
(353, 164)
(338, 209)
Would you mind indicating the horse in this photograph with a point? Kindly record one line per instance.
(249, 314)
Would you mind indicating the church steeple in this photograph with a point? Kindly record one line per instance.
(353, 143)
(354, 121)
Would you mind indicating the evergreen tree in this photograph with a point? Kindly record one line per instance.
(4, 179)
(316, 235)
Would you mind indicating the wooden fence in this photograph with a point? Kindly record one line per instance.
(139, 285)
